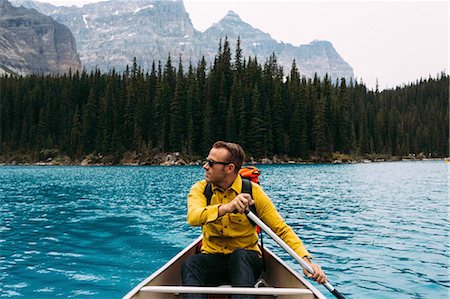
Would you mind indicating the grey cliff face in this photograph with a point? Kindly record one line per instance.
(317, 57)
(31, 42)
(109, 34)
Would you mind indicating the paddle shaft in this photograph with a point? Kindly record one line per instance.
(289, 250)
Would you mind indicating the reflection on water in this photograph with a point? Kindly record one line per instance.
(379, 230)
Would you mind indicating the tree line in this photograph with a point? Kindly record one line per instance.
(171, 109)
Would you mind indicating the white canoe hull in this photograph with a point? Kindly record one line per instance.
(284, 281)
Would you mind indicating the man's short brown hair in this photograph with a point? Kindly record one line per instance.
(236, 153)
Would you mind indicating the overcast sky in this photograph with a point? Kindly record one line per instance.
(395, 42)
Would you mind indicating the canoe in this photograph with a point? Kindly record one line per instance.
(282, 280)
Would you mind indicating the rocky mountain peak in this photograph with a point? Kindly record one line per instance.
(231, 19)
(112, 33)
(321, 42)
(31, 42)
(231, 16)
(232, 26)
(4, 5)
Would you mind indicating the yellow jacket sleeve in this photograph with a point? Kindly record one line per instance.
(268, 213)
(198, 212)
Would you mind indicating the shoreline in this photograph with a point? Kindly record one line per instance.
(175, 159)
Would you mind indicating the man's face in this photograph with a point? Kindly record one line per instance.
(217, 172)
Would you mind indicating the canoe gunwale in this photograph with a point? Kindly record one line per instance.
(146, 287)
(312, 288)
(136, 289)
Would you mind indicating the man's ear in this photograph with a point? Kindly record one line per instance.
(231, 168)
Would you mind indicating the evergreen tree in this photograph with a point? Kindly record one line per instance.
(256, 126)
(75, 134)
(238, 58)
(89, 128)
(208, 135)
(343, 133)
(176, 112)
(199, 109)
(277, 121)
(191, 101)
(231, 128)
(82, 113)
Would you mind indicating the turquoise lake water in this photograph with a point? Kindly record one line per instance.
(379, 230)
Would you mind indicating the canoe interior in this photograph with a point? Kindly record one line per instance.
(278, 275)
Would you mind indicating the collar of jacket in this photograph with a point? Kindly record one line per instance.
(236, 186)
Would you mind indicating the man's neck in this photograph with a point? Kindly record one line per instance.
(227, 182)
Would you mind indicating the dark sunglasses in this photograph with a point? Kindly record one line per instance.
(212, 162)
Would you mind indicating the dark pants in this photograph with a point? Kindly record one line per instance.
(240, 269)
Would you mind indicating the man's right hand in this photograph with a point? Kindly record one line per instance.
(239, 204)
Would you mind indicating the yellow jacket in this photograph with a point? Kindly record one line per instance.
(234, 231)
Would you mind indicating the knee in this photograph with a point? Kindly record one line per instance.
(245, 267)
(245, 259)
(242, 255)
(191, 272)
(190, 264)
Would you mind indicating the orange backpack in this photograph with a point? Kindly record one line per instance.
(250, 172)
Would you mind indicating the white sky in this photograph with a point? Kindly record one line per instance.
(395, 42)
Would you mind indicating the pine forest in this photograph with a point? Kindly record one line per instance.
(173, 109)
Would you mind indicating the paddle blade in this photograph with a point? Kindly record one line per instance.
(337, 294)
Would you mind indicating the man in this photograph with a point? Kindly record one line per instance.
(230, 251)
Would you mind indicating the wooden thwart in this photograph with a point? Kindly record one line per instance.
(304, 293)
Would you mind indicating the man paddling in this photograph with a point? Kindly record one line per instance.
(230, 251)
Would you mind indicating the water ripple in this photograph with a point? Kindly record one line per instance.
(379, 230)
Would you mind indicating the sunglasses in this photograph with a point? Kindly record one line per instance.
(212, 162)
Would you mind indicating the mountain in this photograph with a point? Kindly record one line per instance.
(318, 56)
(109, 34)
(31, 42)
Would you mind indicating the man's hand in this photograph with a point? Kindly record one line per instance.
(318, 275)
(239, 204)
